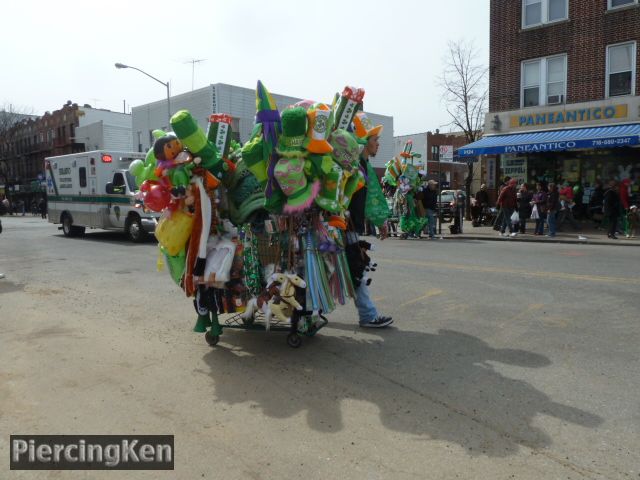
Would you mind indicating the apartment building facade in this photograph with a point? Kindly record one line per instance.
(564, 86)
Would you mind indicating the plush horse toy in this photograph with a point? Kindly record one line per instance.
(261, 302)
(284, 302)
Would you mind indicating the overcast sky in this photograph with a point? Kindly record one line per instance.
(58, 51)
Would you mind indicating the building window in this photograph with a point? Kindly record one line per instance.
(539, 12)
(621, 3)
(82, 172)
(544, 81)
(621, 66)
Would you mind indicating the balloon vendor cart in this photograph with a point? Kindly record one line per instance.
(257, 233)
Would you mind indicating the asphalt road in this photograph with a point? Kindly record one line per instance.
(506, 360)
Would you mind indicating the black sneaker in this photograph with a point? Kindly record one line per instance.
(379, 322)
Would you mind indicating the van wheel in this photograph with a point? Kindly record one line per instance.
(134, 229)
(69, 229)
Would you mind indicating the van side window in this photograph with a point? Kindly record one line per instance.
(82, 171)
(118, 183)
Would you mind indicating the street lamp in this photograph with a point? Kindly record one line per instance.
(122, 65)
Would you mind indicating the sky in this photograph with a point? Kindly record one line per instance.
(66, 50)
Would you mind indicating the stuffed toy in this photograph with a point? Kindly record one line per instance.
(359, 261)
(289, 171)
(282, 305)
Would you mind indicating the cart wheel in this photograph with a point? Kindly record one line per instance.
(211, 339)
(294, 340)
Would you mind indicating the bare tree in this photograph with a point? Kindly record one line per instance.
(464, 87)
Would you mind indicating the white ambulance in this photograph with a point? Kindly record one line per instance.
(95, 190)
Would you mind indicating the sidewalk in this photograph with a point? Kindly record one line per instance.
(588, 234)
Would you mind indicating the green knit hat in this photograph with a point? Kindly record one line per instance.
(294, 129)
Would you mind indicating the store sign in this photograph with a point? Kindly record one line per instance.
(559, 146)
(515, 167)
(566, 117)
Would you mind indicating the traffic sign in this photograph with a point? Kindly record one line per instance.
(446, 153)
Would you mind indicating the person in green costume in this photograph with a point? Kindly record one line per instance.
(410, 223)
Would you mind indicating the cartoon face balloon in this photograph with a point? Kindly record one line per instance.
(346, 150)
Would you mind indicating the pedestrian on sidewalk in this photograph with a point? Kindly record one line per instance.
(482, 203)
(497, 224)
(625, 193)
(508, 204)
(611, 208)
(566, 207)
(553, 205)
(539, 201)
(458, 211)
(524, 207)
(430, 203)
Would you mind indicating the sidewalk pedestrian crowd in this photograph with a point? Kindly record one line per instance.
(540, 209)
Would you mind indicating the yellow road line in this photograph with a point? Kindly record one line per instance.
(430, 293)
(521, 273)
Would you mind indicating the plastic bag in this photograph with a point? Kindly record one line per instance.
(515, 217)
(535, 215)
(376, 209)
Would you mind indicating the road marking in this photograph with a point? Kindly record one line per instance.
(521, 273)
(431, 293)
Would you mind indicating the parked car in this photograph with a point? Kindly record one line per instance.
(444, 204)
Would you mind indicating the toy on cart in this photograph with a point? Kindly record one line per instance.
(258, 295)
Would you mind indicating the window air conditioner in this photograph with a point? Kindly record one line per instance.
(555, 99)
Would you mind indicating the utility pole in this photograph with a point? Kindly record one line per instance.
(435, 155)
(193, 62)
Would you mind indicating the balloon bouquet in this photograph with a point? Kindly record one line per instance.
(258, 231)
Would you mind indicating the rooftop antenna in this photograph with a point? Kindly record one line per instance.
(193, 62)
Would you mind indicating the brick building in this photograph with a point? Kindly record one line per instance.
(30, 139)
(564, 88)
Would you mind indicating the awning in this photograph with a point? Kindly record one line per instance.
(555, 140)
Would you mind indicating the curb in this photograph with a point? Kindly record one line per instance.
(569, 241)
(546, 240)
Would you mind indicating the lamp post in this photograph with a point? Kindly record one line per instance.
(435, 155)
(122, 65)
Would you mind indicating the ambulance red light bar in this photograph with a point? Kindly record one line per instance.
(107, 158)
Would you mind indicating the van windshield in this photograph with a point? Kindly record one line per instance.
(131, 181)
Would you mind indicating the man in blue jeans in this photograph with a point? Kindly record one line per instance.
(367, 312)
